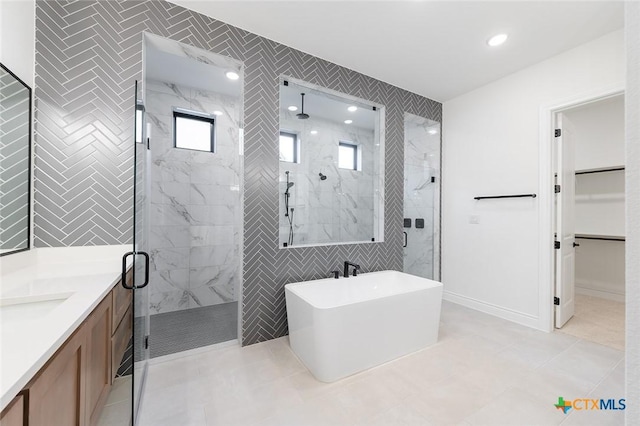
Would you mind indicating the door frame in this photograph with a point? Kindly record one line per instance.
(546, 256)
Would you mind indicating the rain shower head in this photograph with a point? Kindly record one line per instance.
(322, 177)
(302, 115)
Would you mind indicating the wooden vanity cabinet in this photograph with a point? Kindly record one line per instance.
(57, 394)
(73, 386)
(98, 366)
(13, 415)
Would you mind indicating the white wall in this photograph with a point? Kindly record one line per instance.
(632, 115)
(599, 133)
(491, 146)
(17, 38)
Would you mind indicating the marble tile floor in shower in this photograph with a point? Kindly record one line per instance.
(482, 371)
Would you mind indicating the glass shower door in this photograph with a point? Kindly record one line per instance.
(140, 258)
(421, 252)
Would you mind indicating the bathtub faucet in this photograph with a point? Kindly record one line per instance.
(356, 268)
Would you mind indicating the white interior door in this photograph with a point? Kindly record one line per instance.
(566, 254)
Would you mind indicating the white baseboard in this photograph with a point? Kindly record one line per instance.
(497, 311)
(616, 297)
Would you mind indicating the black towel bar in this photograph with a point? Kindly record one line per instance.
(506, 196)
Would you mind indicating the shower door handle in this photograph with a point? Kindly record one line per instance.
(406, 239)
(124, 269)
(146, 268)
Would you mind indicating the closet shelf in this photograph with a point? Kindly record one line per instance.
(600, 237)
(600, 170)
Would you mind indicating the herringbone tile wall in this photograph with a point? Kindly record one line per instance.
(88, 53)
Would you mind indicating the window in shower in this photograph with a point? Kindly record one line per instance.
(193, 131)
(289, 149)
(348, 156)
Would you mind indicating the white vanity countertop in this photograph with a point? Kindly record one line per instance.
(69, 282)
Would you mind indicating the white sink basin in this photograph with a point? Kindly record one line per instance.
(30, 308)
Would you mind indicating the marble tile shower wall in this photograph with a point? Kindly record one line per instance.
(421, 196)
(195, 204)
(337, 209)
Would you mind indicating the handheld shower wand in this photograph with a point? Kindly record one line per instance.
(286, 209)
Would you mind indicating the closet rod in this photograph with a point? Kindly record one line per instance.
(505, 196)
(612, 169)
(588, 237)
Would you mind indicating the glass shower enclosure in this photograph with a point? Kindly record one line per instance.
(421, 225)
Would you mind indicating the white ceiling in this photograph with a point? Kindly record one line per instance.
(173, 62)
(433, 48)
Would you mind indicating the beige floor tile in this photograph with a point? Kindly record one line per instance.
(597, 320)
(450, 402)
(252, 405)
(308, 387)
(120, 391)
(594, 418)
(192, 416)
(518, 407)
(585, 362)
(321, 411)
(400, 415)
(478, 362)
(117, 414)
(366, 398)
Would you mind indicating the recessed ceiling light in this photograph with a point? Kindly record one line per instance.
(497, 40)
(352, 108)
(314, 132)
(232, 75)
(217, 112)
(348, 121)
(293, 108)
(432, 131)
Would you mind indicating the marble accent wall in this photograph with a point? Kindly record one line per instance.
(340, 208)
(196, 214)
(421, 196)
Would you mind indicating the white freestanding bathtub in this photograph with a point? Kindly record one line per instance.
(340, 327)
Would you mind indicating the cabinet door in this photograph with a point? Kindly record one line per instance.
(57, 394)
(13, 415)
(98, 365)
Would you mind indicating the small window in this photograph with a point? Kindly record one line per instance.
(139, 122)
(348, 156)
(289, 147)
(192, 131)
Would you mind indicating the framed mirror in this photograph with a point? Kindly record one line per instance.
(15, 163)
(331, 152)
